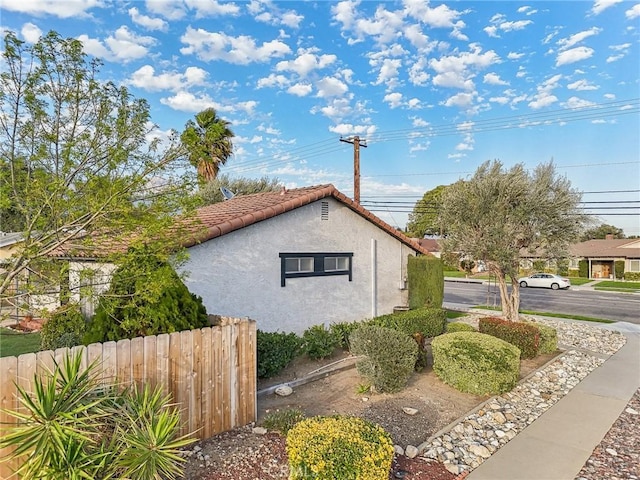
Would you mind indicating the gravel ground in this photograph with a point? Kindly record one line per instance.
(618, 455)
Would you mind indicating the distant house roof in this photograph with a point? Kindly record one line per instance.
(430, 244)
(628, 248)
(241, 211)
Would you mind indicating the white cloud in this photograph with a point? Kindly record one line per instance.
(419, 122)
(57, 8)
(439, 17)
(543, 99)
(146, 79)
(414, 103)
(300, 89)
(146, 21)
(393, 99)
(349, 129)
(609, 96)
(499, 23)
(169, 9)
(418, 39)
(573, 55)
(241, 50)
(601, 5)
(615, 58)
(461, 100)
(514, 55)
(388, 73)
(305, 63)
(499, 100)
(337, 109)
(419, 147)
(456, 70)
(565, 43)
(188, 102)
(581, 85)
(575, 102)
(633, 12)
(30, 32)
(123, 46)
(494, 79)
(417, 75)
(209, 8)
(273, 80)
(331, 87)
(268, 12)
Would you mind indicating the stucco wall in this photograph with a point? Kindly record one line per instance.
(87, 281)
(238, 274)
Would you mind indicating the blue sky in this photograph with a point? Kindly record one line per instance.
(434, 88)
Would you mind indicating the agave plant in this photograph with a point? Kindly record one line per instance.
(75, 428)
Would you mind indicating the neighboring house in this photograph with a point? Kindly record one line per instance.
(298, 258)
(601, 256)
(9, 243)
(431, 245)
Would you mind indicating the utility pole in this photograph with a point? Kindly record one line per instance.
(357, 143)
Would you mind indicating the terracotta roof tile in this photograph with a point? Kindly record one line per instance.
(242, 211)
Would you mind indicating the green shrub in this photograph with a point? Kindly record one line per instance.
(548, 338)
(573, 273)
(345, 448)
(476, 363)
(389, 356)
(450, 261)
(343, 331)
(562, 267)
(633, 276)
(425, 281)
(618, 268)
(65, 327)
(583, 269)
(73, 427)
(429, 322)
(460, 327)
(319, 342)
(523, 335)
(275, 351)
(283, 420)
(146, 297)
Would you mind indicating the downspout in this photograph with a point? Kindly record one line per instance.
(374, 278)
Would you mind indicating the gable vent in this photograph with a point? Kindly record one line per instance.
(324, 215)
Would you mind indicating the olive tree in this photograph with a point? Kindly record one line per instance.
(77, 156)
(500, 212)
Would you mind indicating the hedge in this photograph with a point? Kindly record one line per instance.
(460, 327)
(429, 322)
(523, 335)
(618, 268)
(583, 269)
(425, 281)
(476, 363)
(275, 351)
(548, 338)
(634, 276)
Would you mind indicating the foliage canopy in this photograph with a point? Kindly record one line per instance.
(500, 212)
(78, 156)
(210, 191)
(423, 220)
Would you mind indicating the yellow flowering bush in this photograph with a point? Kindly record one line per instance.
(339, 447)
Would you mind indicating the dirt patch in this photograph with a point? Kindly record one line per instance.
(437, 403)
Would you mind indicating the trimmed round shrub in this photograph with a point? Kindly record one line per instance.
(275, 351)
(64, 328)
(521, 334)
(319, 342)
(348, 448)
(389, 356)
(476, 363)
(429, 322)
(460, 327)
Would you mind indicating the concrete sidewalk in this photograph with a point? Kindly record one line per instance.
(557, 445)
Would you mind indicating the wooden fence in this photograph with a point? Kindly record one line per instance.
(210, 373)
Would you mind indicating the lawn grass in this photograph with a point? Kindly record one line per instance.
(454, 314)
(14, 343)
(569, 316)
(579, 281)
(619, 285)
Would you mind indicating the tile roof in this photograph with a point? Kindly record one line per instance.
(430, 244)
(607, 248)
(241, 211)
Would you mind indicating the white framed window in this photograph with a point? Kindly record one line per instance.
(634, 265)
(298, 264)
(335, 264)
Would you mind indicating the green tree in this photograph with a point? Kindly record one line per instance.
(499, 212)
(423, 220)
(146, 297)
(601, 231)
(210, 191)
(208, 143)
(75, 157)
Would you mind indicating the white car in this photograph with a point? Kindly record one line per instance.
(544, 280)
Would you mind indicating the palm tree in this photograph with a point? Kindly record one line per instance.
(208, 143)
